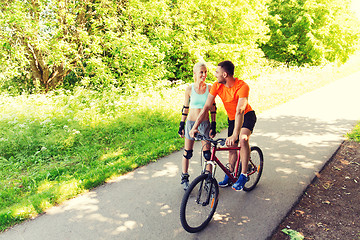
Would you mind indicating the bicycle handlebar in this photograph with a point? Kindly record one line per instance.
(220, 141)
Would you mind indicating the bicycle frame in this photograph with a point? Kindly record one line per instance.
(214, 160)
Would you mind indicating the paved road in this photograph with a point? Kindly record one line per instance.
(297, 138)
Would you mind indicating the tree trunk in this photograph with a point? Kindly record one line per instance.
(49, 78)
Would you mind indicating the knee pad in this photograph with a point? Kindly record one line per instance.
(207, 154)
(189, 154)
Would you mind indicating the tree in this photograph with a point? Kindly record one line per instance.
(310, 31)
(33, 35)
(335, 27)
(223, 30)
(49, 39)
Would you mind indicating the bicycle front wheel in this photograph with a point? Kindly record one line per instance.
(199, 203)
(255, 168)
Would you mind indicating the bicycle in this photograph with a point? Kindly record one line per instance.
(200, 200)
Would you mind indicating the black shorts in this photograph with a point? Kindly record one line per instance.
(249, 122)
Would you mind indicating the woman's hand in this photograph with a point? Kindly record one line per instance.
(181, 131)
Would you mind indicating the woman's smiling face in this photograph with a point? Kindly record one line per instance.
(200, 74)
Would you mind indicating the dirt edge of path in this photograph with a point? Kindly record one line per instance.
(330, 205)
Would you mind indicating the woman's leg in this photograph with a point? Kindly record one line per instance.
(206, 153)
(189, 144)
(188, 149)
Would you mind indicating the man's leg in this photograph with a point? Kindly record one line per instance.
(232, 154)
(245, 149)
(244, 156)
(232, 158)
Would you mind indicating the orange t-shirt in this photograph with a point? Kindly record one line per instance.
(230, 96)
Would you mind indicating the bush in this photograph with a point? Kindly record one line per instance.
(311, 31)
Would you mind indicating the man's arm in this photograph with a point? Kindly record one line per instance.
(205, 110)
(239, 119)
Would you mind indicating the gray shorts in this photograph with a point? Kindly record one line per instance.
(204, 128)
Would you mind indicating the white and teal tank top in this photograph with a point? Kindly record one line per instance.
(198, 100)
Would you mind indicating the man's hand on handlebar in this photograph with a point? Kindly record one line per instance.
(231, 141)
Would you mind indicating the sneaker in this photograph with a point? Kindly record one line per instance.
(226, 182)
(239, 185)
(185, 180)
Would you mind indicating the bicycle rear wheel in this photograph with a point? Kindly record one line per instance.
(199, 203)
(255, 168)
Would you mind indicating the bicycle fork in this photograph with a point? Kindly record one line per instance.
(208, 187)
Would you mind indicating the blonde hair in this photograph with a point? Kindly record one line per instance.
(198, 65)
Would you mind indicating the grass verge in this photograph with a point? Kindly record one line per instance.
(355, 134)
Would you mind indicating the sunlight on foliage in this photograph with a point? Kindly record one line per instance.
(24, 212)
(68, 189)
(355, 134)
(111, 155)
(45, 186)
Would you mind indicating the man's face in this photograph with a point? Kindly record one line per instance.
(220, 75)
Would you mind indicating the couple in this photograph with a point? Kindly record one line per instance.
(199, 100)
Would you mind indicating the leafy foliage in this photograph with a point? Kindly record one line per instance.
(311, 31)
(355, 134)
(224, 30)
(294, 235)
(116, 43)
(102, 44)
(46, 40)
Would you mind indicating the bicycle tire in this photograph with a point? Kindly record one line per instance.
(256, 166)
(195, 216)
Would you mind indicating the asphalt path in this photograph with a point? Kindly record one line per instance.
(297, 139)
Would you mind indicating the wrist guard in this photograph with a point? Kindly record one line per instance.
(213, 127)
(181, 128)
(182, 110)
(214, 112)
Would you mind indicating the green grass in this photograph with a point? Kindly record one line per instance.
(354, 135)
(55, 146)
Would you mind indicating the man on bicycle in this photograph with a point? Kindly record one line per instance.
(234, 94)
